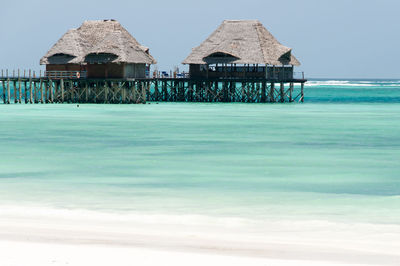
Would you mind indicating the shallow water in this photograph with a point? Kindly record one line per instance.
(336, 157)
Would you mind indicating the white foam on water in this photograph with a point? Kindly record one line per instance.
(230, 235)
(207, 225)
(348, 83)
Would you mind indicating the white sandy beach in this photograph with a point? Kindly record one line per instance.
(41, 236)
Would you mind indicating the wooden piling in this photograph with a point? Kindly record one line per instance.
(282, 92)
(62, 90)
(51, 91)
(19, 90)
(15, 91)
(41, 92)
(8, 91)
(30, 90)
(4, 91)
(86, 92)
(302, 93)
(272, 93)
(25, 92)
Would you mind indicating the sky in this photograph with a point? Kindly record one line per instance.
(332, 39)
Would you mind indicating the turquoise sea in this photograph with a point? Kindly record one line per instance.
(336, 157)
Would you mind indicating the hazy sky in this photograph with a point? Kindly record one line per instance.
(332, 39)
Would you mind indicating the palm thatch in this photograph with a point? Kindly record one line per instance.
(99, 37)
(241, 42)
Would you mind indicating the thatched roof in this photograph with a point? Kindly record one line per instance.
(241, 42)
(99, 37)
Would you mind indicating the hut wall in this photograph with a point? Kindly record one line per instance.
(195, 72)
(65, 67)
(109, 70)
(232, 71)
(135, 71)
(279, 72)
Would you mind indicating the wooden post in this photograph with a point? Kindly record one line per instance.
(225, 89)
(190, 91)
(19, 91)
(46, 91)
(272, 93)
(291, 92)
(232, 89)
(86, 93)
(72, 92)
(56, 89)
(8, 91)
(25, 92)
(134, 92)
(123, 92)
(148, 97)
(51, 91)
(15, 91)
(302, 93)
(263, 92)
(282, 92)
(41, 92)
(243, 96)
(105, 92)
(30, 89)
(143, 93)
(156, 92)
(62, 90)
(4, 91)
(36, 91)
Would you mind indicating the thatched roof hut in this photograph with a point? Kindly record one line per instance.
(99, 42)
(243, 42)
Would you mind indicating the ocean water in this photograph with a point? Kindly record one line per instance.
(336, 157)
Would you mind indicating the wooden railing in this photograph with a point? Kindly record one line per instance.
(65, 74)
(298, 75)
(16, 74)
(21, 73)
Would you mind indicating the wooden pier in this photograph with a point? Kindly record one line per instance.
(119, 91)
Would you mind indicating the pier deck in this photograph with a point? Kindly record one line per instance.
(73, 90)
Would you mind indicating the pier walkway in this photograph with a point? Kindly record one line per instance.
(82, 90)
